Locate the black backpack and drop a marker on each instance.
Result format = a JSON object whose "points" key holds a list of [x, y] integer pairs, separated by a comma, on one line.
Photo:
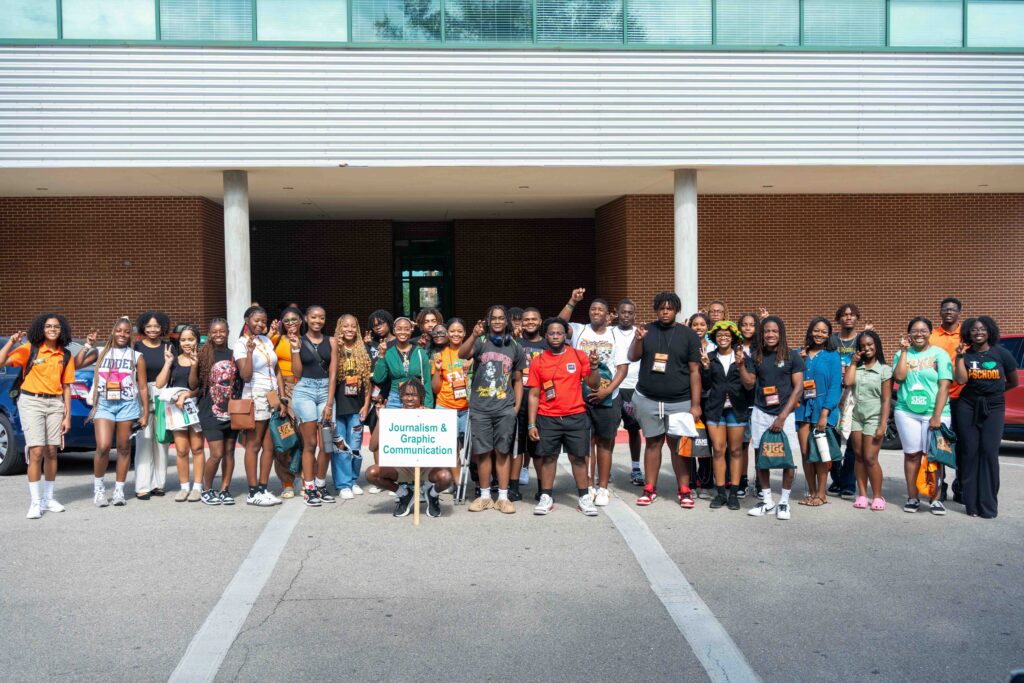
{"points": [[33, 352]]}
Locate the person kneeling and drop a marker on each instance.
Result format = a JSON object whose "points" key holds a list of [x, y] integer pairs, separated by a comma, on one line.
{"points": [[557, 414], [400, 479]]}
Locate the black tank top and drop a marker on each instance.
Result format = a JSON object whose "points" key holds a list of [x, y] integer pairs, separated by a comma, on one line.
{"points": [[316, 358]]}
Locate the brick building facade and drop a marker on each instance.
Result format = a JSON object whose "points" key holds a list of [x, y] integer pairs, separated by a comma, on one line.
{"points": [[798, 255]]}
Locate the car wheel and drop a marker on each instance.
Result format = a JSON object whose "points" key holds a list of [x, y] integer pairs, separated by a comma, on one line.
{"points": [[891, 440], [12, 461]]}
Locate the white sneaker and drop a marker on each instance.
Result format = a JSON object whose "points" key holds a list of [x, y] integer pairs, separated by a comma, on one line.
{"points": [[33, 510], [274, 500], [373, 489], [357, 490], [99, 498], [602, 498], [118, 498], [592, 490], [762, 509], [346, 494], [51, 505], [782, 511], [524, 477], [544, 506], [266, 499], [586, 506]]}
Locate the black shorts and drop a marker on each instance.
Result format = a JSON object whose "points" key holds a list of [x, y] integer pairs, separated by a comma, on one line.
{"points": [[492, 432], [571, 432], [604, 420], [523, 444], [216, 430], [629, 422]]}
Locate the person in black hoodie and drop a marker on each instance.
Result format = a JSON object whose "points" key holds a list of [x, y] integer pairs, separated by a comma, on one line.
{"points": [[726, 409]]}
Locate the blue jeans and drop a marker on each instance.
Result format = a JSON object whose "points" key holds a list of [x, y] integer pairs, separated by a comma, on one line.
{"points": [[309, 398], [394, 401], [346, 465]]}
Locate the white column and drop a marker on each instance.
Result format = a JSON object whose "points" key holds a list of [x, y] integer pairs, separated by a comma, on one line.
{"points": [[237, 267], [685, 240]]}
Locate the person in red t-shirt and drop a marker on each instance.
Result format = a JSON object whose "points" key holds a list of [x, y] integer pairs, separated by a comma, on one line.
{"points": [[557, 414]]}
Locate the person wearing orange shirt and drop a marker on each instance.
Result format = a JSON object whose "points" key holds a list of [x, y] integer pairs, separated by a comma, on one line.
{"points": [[44, 401], [947, 337], [450, 377], [291, 321], [558, 415]]}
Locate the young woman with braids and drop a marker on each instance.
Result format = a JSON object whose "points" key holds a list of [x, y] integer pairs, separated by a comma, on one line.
{"points": [[291, 322], [352, 405], [218, 382]]}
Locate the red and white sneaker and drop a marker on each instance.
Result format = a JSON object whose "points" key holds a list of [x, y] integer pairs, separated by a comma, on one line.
{"points": [[686, 498], [647, 497]]}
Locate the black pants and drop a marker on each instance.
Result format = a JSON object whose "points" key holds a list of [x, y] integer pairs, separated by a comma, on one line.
{"points": [[977, 455], [954, 424]]}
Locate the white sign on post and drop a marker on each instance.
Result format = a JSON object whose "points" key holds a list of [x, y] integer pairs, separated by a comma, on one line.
{"points": [[418, 438]]}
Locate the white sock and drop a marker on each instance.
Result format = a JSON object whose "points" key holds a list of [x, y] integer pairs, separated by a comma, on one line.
{"points": [[768, 497], [119, 486], [33, 489], [47, 490], [319, 482], [502, 494], [486, 492], [784, 498], [97, 483], [636, 467], [185, 486], [309, 484]]}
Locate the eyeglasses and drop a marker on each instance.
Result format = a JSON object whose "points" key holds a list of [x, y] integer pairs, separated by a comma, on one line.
{"points": [[440, 334], [51, 327], [291, 321]]}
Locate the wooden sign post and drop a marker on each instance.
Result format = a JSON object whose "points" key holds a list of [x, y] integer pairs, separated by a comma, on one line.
{"points": [[414, 439]]}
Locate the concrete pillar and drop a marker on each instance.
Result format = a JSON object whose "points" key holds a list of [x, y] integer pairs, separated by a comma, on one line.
{"points": [[685, 240], [237, 266]]}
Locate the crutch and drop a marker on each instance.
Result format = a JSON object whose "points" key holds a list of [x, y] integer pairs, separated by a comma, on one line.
{"points": [[460, 491]]}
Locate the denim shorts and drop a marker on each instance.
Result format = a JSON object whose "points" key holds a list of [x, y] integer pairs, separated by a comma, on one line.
{"points": [[309, 398], [729, 419], [117, 411]]}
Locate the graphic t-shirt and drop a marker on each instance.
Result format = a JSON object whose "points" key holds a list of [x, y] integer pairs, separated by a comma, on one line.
{"points": [[845, 348], [154, 358], [560, 381], [610, 353], [986, 374], [919, 391], [219, 385], [624, 338], [454, 378], [118, 366], [774, 378], [346, 403], [532, 349], [492, 378], [264, 360]]}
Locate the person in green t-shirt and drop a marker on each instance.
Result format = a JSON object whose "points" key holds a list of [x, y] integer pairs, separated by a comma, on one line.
{"points": [[925, 373]]}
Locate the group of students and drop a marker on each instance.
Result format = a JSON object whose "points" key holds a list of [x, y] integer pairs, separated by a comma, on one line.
{"points": [[524, 388]]}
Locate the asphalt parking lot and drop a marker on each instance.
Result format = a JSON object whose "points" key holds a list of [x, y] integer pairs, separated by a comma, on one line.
{"points": [[835, 594]]}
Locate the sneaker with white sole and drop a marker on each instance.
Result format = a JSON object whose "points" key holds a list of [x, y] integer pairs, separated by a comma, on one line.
{"points": [[912, 505], [50, 505], [586, 506], [433, 504], [636, 478], [592, 490], [311, 497], [226, 498], [762, 509], [324, 494], [117, 499], [33, 510], [404, 502], [274, 500], [181, 496], [602, 498], [99, 498], [782, 511], [259, 499], [937, 508], [210, 497], [357, 489], [544, 506], [346, 494], [373, 489]]}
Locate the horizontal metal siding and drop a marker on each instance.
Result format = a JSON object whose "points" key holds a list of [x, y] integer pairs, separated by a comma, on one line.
{"points": [[203, 107]]}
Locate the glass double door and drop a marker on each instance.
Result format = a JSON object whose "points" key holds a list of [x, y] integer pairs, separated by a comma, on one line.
{"points": [[423, 275]]}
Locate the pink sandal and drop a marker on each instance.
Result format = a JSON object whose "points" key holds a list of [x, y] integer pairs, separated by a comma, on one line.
{"points": [[878, 504], [861, 503]]}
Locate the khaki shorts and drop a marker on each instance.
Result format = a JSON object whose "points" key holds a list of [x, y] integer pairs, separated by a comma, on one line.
{"points": [[41, 418]]}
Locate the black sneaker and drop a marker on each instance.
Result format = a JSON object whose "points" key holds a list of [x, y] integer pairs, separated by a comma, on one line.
{"points": [[636, 478], [311, 497], [324, 494], [536, 496], [733, 501], [403, 505], [834, 489], [718, 501], [226, 498], [912, 505], [514, 494], [434, 504], [210, 497]]}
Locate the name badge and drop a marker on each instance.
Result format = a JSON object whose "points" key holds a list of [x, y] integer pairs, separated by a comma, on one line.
{"points": [[771, 396], [810, 389], [727, 404], [549, 390], [458, 385], [351, 385], [113, 390], [660, 363]]}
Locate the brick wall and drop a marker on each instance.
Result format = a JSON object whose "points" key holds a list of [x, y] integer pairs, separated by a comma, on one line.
{"points": [[895, 256], [95, 258], [344, 266], [521, 263]]}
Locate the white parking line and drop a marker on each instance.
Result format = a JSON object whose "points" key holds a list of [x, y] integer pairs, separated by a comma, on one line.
{"points": [[214, 638], [722, 659]]}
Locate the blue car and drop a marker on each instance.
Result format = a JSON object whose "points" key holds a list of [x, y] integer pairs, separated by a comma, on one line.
{"points": [[12, 440]]}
